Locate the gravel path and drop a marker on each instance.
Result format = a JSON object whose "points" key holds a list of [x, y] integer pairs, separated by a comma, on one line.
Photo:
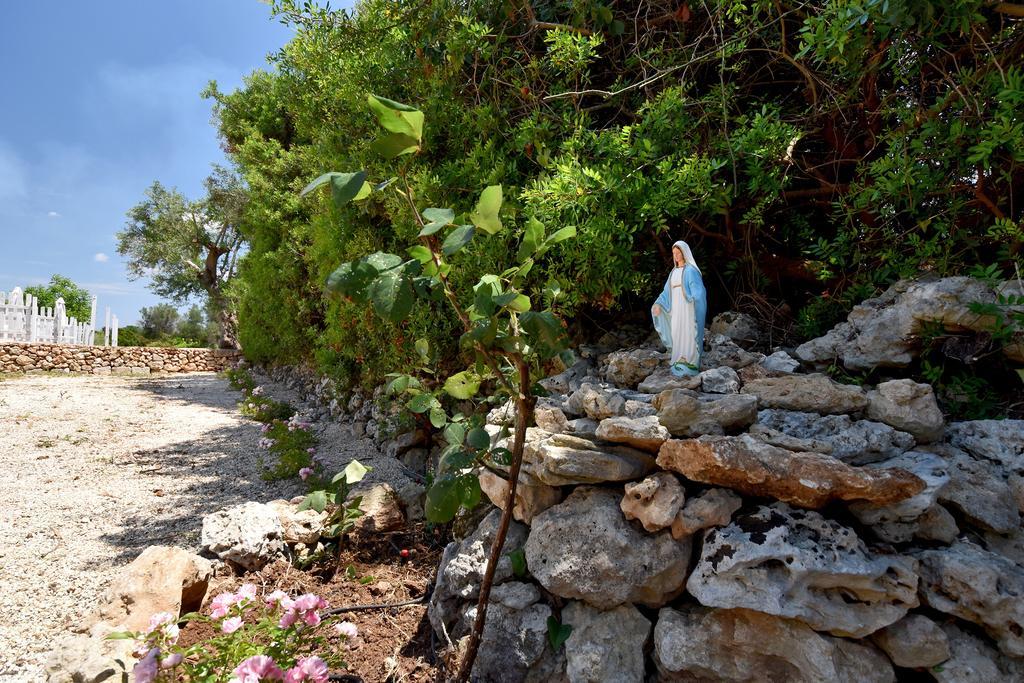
{"points": [[94, 469]]}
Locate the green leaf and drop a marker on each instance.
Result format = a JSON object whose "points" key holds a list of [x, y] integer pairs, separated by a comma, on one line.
{"points": [[443, 500], [546, 331], [454, 433], [514, 301], [383, 261], [439, 218], [469, 485], [420, 403], [462, 385], [531, 239], [397, 117], [501, 456], [557, 633], [482, 332], [454, 459], [355, 471], [344, 186], [120, 635], [485, 215], [518, 559], [556, 237], [457, 239], [392, 295], [394, 145], [484, 300], [479, 439], [438, 417], [317, 500], [1020, 373], [352, 280], [422, 347], [420, 253]]}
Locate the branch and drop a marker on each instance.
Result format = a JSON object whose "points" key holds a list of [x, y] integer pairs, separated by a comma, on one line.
{"points": [[1009, 8]]}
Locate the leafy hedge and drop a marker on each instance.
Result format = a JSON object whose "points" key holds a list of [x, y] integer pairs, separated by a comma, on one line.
{"points": [[811, 153]]}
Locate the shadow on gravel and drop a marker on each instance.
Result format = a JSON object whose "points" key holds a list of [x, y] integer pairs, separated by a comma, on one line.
{"points": [[205, 389]]}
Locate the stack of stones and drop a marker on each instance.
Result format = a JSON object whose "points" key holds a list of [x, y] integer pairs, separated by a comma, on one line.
{"points": [[18, 357], [753, 523]]}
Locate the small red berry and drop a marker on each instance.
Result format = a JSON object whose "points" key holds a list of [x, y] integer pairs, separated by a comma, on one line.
{"points": [[404, 552]]}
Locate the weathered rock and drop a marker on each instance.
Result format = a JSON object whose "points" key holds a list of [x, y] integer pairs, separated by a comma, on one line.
{"points": [[909, 407], [550, 418], [513, 639], [978, 586], [977, 491], [780, 361], [461, 569], [811, 480], [897, 523], [596, 401], [856, 442], [629, 368], [1016, 483], [739, 645], [807, 393], [712, 508], [655, 501], [739, 327], [684, 413], [583, 427], [298, 526], [504, 415], [584, 548], [605, 645], [913, 641], [380, 507], [1010, 546], [662, 379], [937, 524], [639, 409], [723, 380], [89, 657], [722, 351], [568, 380], [532, 495], [1000, 441], [800, 565], [250, 534], [645, 433], [790, 443], [562, 459], [973, 660]]}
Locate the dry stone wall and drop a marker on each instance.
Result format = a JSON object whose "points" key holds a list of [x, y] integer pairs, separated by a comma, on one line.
{"points": [[112, 360]]}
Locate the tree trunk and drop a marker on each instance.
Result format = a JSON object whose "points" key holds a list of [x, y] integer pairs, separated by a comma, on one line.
{"points": [[524, 412], [227, 322]]}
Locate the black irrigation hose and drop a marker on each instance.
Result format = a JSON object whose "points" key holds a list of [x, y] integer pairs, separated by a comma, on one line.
{"points": [[345, 678], [359, 608]]}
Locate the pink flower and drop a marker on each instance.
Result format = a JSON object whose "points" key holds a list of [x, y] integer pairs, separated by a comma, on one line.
{"points": [[145, 669], [311, 451], [256, 669], [346, 629], [231, 625], [307, 670], [305, 472], [221, 604], [159, 619], [246, 591], [304, 607], [171, 661], [275, 597]]}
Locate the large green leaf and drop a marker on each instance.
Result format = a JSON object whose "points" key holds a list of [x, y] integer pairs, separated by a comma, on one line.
{"points": [[565, 233], [546, 332], [454, 433], [462, 385], [457, 239], [469, 490], [531, 239], [485, 215], [383, 261], [392, 295], [394, 145], [352, 280], [558, 633], [317, 500], [484, 295], [443, 500], [344, 186], [438, 218], [482, 332], [397, 117], [438, 417], [354, 472], [420, 403], [478, 438]]}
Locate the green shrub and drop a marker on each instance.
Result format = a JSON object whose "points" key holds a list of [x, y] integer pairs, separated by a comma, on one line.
{"points": [[292, 445], [263, 409]]}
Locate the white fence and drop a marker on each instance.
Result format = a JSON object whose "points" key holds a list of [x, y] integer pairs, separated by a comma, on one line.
{"points": [[23, 320]]}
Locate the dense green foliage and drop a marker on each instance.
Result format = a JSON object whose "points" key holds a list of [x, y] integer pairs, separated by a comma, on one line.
{"points": [[809, 152], [77, 301]]}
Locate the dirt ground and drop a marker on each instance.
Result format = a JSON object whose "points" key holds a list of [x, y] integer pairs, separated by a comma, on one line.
{"points": [[95, 469]]}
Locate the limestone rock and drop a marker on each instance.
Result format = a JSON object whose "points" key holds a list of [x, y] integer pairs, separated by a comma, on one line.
{"points": [[605, 645], [810, 480], [722, 351], [532, 495], [380, 508], [568, 380], [739, 645], [628, 368], [714, 507], [550, 418], [973, 660], [662, 379], [645, 433], [780, 361], [807, 393], [937, 524], [596, 401], [562, 459], [583, 427], [89, 657], [856, 442], [739, 327], [977, 491], [160, 579], [909, 407], [585, 549], [800, 565], [913, 641], [791, 443], [723, 380], [655, 501], [685, 413], [250, 534], [978, 586], [639, 409], [1000, 441], [1010, 546], [298, 526], [513, 640], [462, 567], [897, 523]]}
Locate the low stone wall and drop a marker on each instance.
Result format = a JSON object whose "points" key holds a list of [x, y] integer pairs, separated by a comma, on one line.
{"points": [[112, 360]]}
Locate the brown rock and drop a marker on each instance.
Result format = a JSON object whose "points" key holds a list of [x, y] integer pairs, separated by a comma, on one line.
{"points": [[655, 501], [809, 480], [807, 393], [645, 433], [532, 495], [714, 507], [381, 510]]}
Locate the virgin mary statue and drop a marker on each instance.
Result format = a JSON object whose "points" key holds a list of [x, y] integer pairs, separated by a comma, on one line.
{"points": [[679, 312]]}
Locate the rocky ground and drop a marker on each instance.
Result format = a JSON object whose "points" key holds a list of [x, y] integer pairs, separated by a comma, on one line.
{"points": [[95, 469]]}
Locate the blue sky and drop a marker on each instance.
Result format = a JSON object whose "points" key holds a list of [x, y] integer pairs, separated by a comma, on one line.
{"points": [[99, 99]]}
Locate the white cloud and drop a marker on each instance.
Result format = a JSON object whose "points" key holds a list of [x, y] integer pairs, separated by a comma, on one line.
{"points": [[53, 214], [101, 258]]}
